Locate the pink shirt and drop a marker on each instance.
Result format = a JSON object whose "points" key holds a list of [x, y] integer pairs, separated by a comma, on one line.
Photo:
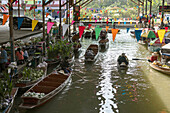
{"points": [[20, 55]]}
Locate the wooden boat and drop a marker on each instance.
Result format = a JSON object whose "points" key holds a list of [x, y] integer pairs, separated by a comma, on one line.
{"points": [[141, 42], [104, 43], [28, 84], [94, 35], [95, 50], [87, 34], [132, 32], [77, 45], [13, 94], [160, 69], [48, 87], [51, 62], [75, 37]]}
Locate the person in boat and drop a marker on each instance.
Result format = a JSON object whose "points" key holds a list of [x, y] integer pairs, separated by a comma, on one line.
{"points": [[65, 65], [90, 52], [123, 58], [154, 57]]}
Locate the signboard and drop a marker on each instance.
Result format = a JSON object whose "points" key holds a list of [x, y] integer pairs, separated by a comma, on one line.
{"points": [[166, 8], [34, 6], [76, 13], [71, 2]]}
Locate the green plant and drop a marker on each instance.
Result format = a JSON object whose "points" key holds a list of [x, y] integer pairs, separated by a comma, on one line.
{"points": [[60, 48], [5, 87]]}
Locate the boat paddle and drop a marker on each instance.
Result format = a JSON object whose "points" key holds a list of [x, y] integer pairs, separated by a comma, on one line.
{"points": [[139, 59]]}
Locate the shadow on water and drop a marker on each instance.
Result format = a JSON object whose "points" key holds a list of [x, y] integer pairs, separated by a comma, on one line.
{"points": [[100, 87]]}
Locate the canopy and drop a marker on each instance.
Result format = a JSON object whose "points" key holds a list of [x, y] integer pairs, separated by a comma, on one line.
{"points": [[167, 46], [151, 34], [144, 33], [166, 54], [167, 35], [165, 49], [156, 41]]}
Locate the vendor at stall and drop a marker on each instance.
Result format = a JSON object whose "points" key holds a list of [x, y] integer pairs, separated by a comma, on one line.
{"points": [[20, 56]]}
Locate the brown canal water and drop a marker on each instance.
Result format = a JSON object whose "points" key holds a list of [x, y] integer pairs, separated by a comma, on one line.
{"points": [[99, 87]]}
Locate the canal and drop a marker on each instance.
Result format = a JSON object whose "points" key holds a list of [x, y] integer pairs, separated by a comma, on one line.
{"points": [[99, 87]]}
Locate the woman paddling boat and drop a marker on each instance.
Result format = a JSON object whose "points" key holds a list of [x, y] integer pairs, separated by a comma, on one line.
{"points": [[123, 60]]}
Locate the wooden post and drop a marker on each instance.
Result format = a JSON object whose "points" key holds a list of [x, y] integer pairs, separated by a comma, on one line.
{"points": [[162, 24], [11, 31], [74, 24], [67, 7], [143, 8], [34, 9], [18, 8], [69, 20], [43, 13], [138, 9], [60, 18], [150, 13], [146, 11]]}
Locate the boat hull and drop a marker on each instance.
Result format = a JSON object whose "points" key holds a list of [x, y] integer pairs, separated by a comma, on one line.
{"points": [[162, 70], [14, 93], [30, 84]]}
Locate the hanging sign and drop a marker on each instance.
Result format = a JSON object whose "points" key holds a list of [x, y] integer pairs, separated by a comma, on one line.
{"points": [[127, 29], [65, 27], [107, 27], [81, 30], [5, 18], [20, 20], [97, 32], [49, 26], [161, 34], [138, 34], [34, 23], [114, 32]]}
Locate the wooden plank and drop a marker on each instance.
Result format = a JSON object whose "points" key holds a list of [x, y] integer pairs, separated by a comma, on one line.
{"points": [[76, 3], [48, 2], [85, 3]]}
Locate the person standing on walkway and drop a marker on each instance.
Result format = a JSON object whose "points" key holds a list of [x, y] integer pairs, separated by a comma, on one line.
{"points": [[3, 58]]}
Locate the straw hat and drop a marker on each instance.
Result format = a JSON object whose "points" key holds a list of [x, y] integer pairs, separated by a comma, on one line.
{"points": [[154, 54]]}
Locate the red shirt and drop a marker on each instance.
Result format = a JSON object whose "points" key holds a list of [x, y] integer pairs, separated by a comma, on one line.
{"points": [[153, 58]]}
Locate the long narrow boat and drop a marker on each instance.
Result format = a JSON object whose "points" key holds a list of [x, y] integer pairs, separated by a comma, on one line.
{"points": [[104, 43], [51, 62], [44, 90], [93, 34], [13, 94], [95, 50], [88, 34], [28, 84], [160, 69]]}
